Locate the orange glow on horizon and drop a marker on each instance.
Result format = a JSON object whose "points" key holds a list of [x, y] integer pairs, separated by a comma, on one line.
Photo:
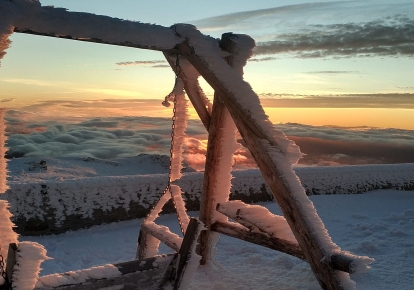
{"points": [[344, 117]]}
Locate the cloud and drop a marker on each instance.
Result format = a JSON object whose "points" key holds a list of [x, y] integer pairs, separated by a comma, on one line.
{"points": [[269, 58], [161, 66], [333, 72], [7, 100], [141, 62], [383, 37], [389, 100]]}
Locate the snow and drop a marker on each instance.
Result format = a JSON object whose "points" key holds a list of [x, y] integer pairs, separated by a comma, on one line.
{"points": [[74, 277], [262, 218], [29, 14], [29, 256], [379, 224]]}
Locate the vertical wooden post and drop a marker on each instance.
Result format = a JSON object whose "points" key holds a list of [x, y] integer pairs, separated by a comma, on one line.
{"points": [[11, 261], [208, 201]]}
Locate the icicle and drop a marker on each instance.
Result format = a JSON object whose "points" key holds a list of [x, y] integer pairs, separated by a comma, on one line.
{"points": [[180, 124], [3, 160]]}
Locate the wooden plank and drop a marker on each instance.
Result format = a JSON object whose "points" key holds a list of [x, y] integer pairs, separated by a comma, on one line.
{"points": [[237, 231], [11, 261], [291, 208], [233, 215], [163, 234], [339, 262], [187, 247], [94, 40], [192, 88], [136, 274]]}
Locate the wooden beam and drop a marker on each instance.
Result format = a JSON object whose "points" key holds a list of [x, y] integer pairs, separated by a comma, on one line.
{"points": [[234, 230], [256, 142], [94, 40], [192, 88], [163, 234], [239, 232], [11, 261], [233, 215], [136, 274], [216, 139], [189, 241]]}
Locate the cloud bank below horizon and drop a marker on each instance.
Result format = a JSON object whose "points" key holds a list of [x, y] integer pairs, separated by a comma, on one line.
{"points": [[116, 137]]}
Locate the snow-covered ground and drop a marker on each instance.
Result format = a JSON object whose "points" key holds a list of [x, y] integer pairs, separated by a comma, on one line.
{"points": [[379, 224]]}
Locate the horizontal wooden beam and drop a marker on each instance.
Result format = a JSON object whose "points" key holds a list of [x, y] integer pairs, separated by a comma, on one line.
{"points": [[163, 234], [95, 40], [237, 231], [136, 274], [338, 261]]}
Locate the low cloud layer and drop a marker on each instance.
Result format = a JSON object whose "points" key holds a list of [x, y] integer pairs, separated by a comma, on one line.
{"points": [[107, 138]]}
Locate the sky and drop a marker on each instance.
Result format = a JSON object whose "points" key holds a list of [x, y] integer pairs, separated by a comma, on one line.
{"points": [[320, 65]]}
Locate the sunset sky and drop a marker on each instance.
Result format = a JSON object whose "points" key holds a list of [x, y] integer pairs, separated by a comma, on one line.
{"points": [[326, 63]]}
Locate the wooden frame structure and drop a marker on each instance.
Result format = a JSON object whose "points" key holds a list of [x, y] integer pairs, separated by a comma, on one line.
{"points": [[306, 246]]}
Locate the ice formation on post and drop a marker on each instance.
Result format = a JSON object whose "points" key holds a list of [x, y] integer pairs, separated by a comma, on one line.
{"points": [[7, 235], [3, 160], [29, 256]]}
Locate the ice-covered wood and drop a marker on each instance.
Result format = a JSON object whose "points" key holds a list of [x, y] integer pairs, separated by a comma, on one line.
{"points": [[240, 232], [33, 18], [7, 235], [189, 76], [187, 258], [179, 203], [219, 159], [11, 261], [163, 234], [229, 210], [147, 245], [29, 256], [136, 274], [284, 184], [3, 138]]}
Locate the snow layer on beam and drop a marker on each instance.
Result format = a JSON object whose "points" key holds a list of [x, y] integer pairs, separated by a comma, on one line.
{"points": [[60, 22], [76, 277], [261, 217], [209, 52], [28, 259]]}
